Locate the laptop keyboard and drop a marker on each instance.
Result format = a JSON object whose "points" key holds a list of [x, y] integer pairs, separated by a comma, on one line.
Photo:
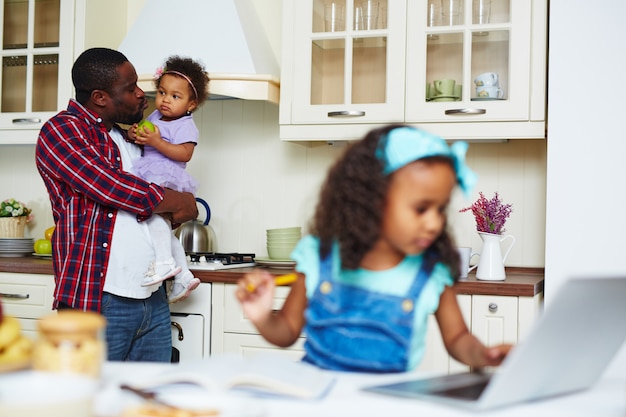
{"points": [[470, 392]]}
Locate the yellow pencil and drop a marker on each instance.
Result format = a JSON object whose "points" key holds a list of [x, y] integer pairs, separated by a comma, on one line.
{"points": [[279, 280]]}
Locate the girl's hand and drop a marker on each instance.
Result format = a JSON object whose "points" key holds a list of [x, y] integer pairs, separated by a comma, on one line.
{"points": [[147, 137], [493, 356], [255, 292]]}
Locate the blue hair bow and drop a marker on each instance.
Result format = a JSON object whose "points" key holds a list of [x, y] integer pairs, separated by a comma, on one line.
{"points": [[404, 145]]}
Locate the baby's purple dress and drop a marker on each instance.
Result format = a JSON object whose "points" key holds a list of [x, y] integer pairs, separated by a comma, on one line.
{"points": [[155, 167]]}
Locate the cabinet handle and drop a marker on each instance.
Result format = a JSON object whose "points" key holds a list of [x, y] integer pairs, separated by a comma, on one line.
{"points": [[27, 120], [493, 307], [461, 112], [17, 296], [346, 113], [181, 336]]}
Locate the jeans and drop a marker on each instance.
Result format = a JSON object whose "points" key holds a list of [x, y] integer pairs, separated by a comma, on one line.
{"points": [[138, 330]]}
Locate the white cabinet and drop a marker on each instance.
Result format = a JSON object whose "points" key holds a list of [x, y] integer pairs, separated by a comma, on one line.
{"points": [[36, 50], [492, 319], [232, 332], [28, 297], [338, 83]]}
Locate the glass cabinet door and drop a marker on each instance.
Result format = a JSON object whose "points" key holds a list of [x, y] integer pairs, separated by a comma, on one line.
{"points": [[472, 62], [344, 65], [29, 74]]}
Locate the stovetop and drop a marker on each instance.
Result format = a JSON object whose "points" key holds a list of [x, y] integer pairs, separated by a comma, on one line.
{"points": [[213, 261]]}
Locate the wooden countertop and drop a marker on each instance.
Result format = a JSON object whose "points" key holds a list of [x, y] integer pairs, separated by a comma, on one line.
{"points": [[525, 282]]}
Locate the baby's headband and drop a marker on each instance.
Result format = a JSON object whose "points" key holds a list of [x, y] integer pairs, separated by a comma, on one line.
{"points": [[404, 145], [160, 72]]}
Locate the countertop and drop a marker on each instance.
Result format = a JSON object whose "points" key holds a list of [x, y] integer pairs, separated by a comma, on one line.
{"points": [[346, 398], [525, 282]]}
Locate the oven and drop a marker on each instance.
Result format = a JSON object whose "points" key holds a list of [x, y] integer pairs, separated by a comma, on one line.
{"points": [[191, 318]]}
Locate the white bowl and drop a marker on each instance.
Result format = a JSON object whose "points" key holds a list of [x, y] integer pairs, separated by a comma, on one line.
{"points": [[37, 394], [275, 252], [280, 230], [283, 240]]}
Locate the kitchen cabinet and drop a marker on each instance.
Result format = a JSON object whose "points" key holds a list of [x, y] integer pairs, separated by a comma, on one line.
{"points": [[232, 332], [28, 297], [338, 83], [493, 319], [37, 55]]}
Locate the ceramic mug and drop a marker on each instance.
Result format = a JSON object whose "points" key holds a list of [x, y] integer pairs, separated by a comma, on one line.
{"points": [[465, 254], [486, 79], [444, 87], [489, 92]]}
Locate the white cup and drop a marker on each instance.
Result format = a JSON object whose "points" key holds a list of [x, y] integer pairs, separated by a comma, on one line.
{"points": [[486, 79], [489, 92], [465, 254]]}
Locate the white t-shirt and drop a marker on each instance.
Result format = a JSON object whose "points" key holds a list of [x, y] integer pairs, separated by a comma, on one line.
{"points": [[132, 250]]}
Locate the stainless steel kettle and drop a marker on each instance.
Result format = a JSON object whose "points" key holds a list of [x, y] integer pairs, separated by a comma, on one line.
{"points": [[197, 236]]}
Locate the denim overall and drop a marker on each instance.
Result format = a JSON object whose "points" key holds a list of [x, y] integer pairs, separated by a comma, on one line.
{"points": [[353, 329]]}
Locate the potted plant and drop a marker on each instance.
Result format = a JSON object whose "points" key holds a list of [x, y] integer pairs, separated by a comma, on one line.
{"points": [[13, 218], [490, 216]]}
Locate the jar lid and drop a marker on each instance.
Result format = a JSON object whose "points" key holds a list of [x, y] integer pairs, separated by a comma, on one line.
{"points": [[72, 321]]}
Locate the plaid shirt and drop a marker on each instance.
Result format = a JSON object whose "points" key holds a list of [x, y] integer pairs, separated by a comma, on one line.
{"points": [[81, 169]]}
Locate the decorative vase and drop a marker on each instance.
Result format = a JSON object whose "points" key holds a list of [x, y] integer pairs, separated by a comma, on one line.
{"points": [[491, 263], [12, 227]]}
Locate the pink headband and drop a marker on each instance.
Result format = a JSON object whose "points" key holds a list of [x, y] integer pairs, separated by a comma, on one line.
{"points": [[185, 77]]}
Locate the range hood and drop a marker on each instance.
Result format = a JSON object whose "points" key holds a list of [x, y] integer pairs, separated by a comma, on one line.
{"points": [[225, 35]]}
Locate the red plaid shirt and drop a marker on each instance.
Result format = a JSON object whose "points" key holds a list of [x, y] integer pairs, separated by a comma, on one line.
{"points": [[82, 170]]}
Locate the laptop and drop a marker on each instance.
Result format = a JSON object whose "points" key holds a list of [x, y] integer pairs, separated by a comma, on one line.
{"points": [[567, 351]]}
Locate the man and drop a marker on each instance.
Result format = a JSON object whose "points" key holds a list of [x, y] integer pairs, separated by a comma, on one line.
{"points": [[101, 247]]}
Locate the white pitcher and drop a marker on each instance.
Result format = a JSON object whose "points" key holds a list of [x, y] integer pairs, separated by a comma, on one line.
{"points": [[491, 263]]}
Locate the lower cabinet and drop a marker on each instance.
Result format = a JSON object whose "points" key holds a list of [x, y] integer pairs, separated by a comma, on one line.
{"points": [[493, 319], [232, 332], [28, 297]]}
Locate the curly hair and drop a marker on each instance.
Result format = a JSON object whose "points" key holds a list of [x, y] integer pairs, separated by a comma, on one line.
{"points": [[193, 70], [96, 69], [352, 201]]}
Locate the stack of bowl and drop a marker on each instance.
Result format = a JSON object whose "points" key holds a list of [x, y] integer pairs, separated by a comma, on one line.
{"points": [[280, 242]]}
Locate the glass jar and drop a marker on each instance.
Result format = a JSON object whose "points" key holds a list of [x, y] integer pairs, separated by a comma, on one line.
{"points": [[70, 341]]}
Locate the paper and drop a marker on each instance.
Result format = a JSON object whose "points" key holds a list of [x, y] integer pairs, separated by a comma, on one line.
{"points": [[265, 375]]}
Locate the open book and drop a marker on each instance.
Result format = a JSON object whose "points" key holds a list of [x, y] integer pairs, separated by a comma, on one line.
{"points": [[264, 375]]}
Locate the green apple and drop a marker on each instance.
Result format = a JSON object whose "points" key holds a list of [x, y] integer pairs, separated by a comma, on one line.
{"points": [[43, 247], [146, 125]]}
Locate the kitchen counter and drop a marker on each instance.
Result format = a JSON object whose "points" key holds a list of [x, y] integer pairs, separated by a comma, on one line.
{"points": [[346, 398], [523, 282]]}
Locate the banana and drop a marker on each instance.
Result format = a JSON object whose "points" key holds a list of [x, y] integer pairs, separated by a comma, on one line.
{"points": [[9, 331], [19, 351]]}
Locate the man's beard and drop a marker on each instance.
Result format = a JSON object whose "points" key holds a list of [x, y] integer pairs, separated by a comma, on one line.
{"points": [[126, 118]]}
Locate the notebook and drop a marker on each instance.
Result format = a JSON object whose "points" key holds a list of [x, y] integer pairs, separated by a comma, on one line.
{"points": [[567, 351]]}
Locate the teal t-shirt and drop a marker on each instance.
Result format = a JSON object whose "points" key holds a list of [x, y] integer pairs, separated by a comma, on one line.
{"points": [[393, 281]]}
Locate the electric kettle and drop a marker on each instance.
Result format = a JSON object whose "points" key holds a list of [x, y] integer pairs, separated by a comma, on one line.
{"points": [[197, 236]]}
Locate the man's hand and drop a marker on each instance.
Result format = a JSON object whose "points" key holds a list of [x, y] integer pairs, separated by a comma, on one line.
{"points": [[181, 207]]}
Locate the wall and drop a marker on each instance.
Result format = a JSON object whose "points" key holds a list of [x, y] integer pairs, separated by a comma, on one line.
{"points": [[253, 181], [586, 144], [586, 179]]}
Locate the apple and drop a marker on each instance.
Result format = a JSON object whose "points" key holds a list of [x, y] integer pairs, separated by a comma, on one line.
{"points": [[43, 247], [146, 125], [48, 233]]}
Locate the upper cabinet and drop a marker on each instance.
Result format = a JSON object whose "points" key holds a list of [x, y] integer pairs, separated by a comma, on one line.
{"points": [[464, 69], [36, 51]]}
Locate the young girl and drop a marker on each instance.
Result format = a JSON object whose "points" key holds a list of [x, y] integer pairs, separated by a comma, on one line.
{"points": [[378, 261], [182, 86]]}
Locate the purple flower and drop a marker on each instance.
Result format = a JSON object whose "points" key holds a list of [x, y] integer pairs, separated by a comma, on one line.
{"points": [[490, 215]]}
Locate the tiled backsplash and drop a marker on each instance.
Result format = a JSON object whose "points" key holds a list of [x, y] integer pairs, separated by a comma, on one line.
{"points": [[253, 181]]}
